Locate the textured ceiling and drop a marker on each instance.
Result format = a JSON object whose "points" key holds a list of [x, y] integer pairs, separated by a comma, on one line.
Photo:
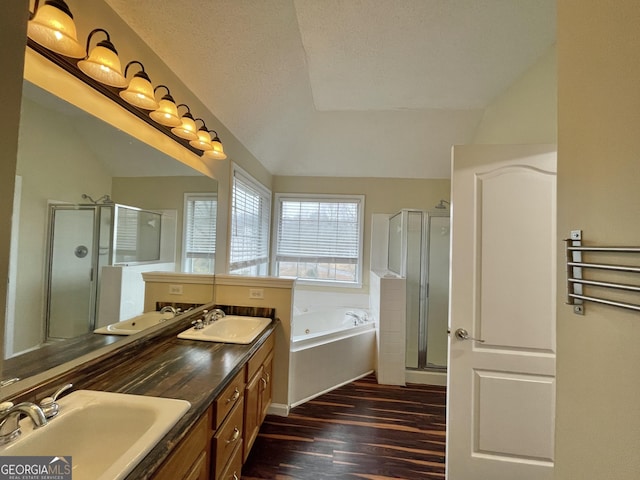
{"points": [[378, 88]]}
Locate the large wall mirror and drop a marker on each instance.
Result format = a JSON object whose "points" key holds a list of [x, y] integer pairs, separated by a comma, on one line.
{"points": [[74, 172]]}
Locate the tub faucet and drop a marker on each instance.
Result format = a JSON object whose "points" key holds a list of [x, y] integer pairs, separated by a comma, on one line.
{"points": [[357, 319], [10, 416]]}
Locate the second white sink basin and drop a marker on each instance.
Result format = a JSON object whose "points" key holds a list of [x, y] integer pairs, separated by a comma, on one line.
{"points": [[229, 329], [135, 324], [106, 434]]}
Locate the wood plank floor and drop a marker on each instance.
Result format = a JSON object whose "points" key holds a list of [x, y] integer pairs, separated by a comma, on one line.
{"points": [[359, 431]]}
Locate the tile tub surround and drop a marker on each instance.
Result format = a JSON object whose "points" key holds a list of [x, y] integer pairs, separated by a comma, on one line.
{"points": [[162, 366]]}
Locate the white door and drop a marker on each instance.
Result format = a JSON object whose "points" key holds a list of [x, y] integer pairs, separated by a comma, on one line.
{"points": [[501, 392]]}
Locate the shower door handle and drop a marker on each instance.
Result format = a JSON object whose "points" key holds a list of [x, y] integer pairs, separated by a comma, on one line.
{"points": [[462, 334]]}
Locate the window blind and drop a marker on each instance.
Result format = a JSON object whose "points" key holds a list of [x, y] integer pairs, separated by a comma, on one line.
{"points": [[200, 233], [320, 236], [250, 219]]}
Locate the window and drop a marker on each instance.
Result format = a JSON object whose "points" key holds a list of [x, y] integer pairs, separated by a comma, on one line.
{"points": [[319, 238], [199, 226], [250, 219]]}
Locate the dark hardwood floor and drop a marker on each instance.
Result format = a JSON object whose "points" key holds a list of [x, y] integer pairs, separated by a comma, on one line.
{"points": [[359, 431]]}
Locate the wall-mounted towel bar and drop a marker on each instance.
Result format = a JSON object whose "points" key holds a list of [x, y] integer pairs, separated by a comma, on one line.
{"points": [[576, 267]]}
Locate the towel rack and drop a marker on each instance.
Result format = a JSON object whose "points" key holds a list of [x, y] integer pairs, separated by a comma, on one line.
{"points": [[576, 266]]}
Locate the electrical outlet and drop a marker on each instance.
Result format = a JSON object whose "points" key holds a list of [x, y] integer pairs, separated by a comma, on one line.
{"points": [[256, 293], [175, 289]]}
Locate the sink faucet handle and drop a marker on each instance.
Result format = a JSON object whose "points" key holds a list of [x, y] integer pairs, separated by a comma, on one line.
{"points": [[198, 324], [49, 405]]}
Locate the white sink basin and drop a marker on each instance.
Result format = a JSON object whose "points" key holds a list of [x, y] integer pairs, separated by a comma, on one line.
{"points": [[106, 434], [135, 324], [229, 329]]}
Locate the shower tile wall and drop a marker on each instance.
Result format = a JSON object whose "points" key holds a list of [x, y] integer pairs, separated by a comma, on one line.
{"points": [[388, 306]]}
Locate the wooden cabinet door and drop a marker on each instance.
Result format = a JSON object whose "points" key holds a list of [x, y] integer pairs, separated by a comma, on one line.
{"points": [[266, 387], [251, 412], [187, 458], [200, 471]]}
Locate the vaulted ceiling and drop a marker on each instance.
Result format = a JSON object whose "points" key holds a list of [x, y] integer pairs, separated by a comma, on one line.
{"points": [[367, 88]]}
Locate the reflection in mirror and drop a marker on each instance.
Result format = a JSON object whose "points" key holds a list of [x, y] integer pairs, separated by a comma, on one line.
{"points": [[66, 159]]}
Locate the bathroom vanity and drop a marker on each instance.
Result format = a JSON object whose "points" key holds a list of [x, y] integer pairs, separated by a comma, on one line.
{"points": [[227, 385]]}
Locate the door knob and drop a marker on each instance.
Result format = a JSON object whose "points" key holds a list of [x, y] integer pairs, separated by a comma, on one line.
{"points": [[462, 334]]}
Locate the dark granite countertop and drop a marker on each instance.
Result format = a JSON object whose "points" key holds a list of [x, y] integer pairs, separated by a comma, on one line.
{"points": [[174, 368], [161, 365]]}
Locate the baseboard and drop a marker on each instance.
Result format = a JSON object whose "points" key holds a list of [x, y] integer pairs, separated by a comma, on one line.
{"points": [[300, 402], [279, 409], [426, 377]]}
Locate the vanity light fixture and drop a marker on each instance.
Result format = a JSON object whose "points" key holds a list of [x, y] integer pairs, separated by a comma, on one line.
{"points": [[103, 64], [167, 113], [52, 33], [140, 92], [188, 128], [52, 26], [217, 152], [203, 142]]}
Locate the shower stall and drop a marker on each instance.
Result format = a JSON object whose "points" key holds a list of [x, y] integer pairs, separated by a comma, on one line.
{"points": [[82, 240], [418, 250]]}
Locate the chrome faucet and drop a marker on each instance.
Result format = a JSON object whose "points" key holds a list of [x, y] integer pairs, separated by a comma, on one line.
{"points": [[357, 318], [10, 416], [213, 315], [170, 309]]}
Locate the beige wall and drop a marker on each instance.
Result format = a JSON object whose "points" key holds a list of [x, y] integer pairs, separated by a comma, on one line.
{"points": [[526, 112], [598, 411], [382, 195]]}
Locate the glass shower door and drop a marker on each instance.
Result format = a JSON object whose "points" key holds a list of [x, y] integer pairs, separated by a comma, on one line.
{"points": [[414, 273], [71, 298], [438, 292]]}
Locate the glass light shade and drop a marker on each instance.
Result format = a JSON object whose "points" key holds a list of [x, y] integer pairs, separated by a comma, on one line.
{"points": [[187, 130], [215, 154], [203, 142], [53, 28], [166, 114], [140, 94], [104, 66]]}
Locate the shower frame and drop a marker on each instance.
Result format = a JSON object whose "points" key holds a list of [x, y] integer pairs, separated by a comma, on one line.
{"points": [[424, 281], [97, 210]]}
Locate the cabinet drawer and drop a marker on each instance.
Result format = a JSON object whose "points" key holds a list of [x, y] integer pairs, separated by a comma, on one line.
{"points": [[227, 438], [233, 469], [254, 363], [228, 399]]}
